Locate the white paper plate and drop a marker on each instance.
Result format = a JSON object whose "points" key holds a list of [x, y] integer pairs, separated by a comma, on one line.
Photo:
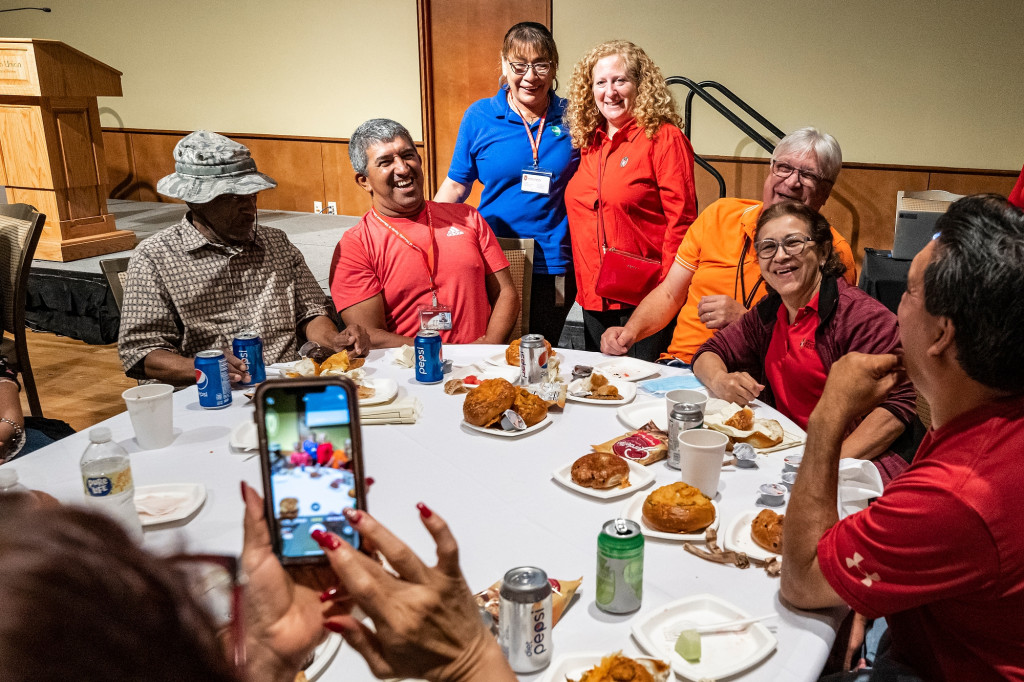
{"points": [[499, 360], [634, 512], [278, 368], [501, 433], [323, 655], [572, 666], [627, 369], [722, 654], [639, 477], [244, 437], [193, 495], [385, 388], [486, 371], [737, 537], [639, 413], [627, 389]]}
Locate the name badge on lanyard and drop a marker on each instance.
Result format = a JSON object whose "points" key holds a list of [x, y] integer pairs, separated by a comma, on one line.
{"points": [[437, 317], [536, 180]]}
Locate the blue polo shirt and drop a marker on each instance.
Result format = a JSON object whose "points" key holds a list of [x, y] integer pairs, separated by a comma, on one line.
{"points": [[493, 148]]}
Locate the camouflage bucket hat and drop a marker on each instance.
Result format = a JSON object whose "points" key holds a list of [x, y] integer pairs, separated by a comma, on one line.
{"points": [[208, 165]]}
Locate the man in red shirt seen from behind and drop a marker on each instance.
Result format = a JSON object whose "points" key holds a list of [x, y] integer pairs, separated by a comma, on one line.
{"points": [[941, 553]]}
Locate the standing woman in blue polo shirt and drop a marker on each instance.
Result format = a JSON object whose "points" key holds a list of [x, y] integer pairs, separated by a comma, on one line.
{"points": [[516, 145]]}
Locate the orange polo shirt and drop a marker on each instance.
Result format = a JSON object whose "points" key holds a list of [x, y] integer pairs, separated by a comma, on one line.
{"points": [[711, 250], [645, 196]]}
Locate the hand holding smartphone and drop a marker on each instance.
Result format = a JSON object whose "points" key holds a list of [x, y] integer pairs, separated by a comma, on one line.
{"points": [[311, 457]]}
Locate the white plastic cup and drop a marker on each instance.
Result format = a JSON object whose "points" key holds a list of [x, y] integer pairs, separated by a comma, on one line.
{"points": [[700, 458], [152, 412], [684, 395]]}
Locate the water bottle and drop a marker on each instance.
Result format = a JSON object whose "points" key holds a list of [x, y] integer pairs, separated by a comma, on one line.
{"points": [[9, 483], [107, 480]]}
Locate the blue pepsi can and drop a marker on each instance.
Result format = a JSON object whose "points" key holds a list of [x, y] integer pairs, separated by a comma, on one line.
{"points": [[429, 364], [248, 346], [212, 379]]}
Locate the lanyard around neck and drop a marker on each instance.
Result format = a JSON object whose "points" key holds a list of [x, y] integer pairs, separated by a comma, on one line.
{"points": [[428, 257], [534, 144]]}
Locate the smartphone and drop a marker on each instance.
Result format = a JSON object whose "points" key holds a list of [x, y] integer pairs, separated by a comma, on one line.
{"points": [[311, 456]]}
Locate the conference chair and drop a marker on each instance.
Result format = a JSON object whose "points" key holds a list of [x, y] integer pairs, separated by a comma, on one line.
{"points": [[116, 270], [20, 227], [519, 253]]}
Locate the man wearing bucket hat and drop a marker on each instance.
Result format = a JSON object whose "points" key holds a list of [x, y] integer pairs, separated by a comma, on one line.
{"points": [[217, 273]]}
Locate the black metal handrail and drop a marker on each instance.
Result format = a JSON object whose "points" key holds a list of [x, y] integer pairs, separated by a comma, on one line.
{"points": [[701, 90]]}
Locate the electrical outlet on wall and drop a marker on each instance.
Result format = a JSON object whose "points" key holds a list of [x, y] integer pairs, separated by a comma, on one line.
{"points": [[318, 207], [332, 208]]}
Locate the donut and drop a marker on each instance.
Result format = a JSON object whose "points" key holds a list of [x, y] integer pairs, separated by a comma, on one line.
{"points": [[600, 470], [678, 508]]}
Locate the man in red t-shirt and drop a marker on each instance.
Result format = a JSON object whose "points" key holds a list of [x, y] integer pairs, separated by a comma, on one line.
{"points": [[409, 256], [941, 553]]}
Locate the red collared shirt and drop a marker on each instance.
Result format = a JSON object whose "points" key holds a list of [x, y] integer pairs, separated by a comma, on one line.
{"points": [[792, 364], [646, 198]]}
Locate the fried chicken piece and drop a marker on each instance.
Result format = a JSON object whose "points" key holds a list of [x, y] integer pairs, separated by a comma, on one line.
{"points": [[530, 407], [743, 420], [485, 404]]}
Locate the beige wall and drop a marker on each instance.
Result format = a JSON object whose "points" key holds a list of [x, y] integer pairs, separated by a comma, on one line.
{"points": [[892, 84], [893, 87], [281, 67]]}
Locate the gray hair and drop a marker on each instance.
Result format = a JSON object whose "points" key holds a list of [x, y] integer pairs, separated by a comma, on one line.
{"points": [[374, 131], [810, 139]]}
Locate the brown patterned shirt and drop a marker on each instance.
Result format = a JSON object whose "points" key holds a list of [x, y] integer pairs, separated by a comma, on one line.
{"points": [[186, 294]]}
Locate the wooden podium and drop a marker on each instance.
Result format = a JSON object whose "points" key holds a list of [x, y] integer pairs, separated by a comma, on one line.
{"points": [[51, 147]]}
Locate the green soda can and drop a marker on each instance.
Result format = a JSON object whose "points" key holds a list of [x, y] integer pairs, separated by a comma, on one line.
{"points": [[620, 566]]}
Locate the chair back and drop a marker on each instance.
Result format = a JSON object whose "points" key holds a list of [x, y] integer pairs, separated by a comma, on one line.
{"points": [[116, 270], [20, 228], [519, 253]]}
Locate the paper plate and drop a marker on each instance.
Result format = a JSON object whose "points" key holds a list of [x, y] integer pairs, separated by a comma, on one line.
{"points": [[627, 390], [385, 390], [627, 369], [323, 655], [501, 433], [244, 437], [737, 537], [722, 654], [634, 512], [191, 496], [572, 666], [638, 413], [639, 477]]}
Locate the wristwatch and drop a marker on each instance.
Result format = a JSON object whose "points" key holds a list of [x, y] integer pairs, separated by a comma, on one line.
{"points": [[16, 444]]}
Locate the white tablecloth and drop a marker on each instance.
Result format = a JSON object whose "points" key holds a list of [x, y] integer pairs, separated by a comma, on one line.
{"points": [[496, 494]]}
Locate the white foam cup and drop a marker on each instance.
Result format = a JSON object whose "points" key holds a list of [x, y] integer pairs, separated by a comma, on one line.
{"points": [[684, 395], [700, 458], [152, 413]]}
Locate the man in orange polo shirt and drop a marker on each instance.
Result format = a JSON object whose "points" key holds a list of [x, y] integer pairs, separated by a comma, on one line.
{"points": [[715, 277]]}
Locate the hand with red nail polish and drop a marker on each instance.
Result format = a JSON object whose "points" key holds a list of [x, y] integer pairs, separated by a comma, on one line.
{"points": [[426, 622], [283, 619]]}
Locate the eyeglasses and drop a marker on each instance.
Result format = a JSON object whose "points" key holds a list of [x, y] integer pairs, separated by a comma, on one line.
{"points": [[792, 245], [805, 178], [539, 68], [213, 581]]}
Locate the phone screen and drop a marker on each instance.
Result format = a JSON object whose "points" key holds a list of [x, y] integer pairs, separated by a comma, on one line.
{"points": [[311, 464]]}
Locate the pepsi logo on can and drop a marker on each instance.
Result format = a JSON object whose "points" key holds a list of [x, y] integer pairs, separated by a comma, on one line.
{"points": [[212, 379]]}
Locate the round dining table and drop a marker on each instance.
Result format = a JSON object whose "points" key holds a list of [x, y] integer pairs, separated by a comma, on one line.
{"points": [[497, 494]]}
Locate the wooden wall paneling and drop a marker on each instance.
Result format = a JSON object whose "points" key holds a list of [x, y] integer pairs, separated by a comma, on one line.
{"points": [[972, 183], [339, 180], [117, 146], [297, 167], [152, 158], [452, 79]]}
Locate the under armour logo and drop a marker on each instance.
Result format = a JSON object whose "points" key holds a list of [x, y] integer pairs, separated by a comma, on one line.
{"points": [[625, 160], [869, 578], [454, 232]]}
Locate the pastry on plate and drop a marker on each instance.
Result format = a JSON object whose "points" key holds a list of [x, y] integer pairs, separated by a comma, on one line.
{"points": [[512, 352], [339, 363], [766, 530], [600, 470], [530, 407], [619, 668], [742, 426], [485, 404], [678, 508]]}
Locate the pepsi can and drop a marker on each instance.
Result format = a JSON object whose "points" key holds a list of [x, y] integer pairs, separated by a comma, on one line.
{"points": [[533, 359], [248, 346], [212, 379], [525, 617], [429, 364]]}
